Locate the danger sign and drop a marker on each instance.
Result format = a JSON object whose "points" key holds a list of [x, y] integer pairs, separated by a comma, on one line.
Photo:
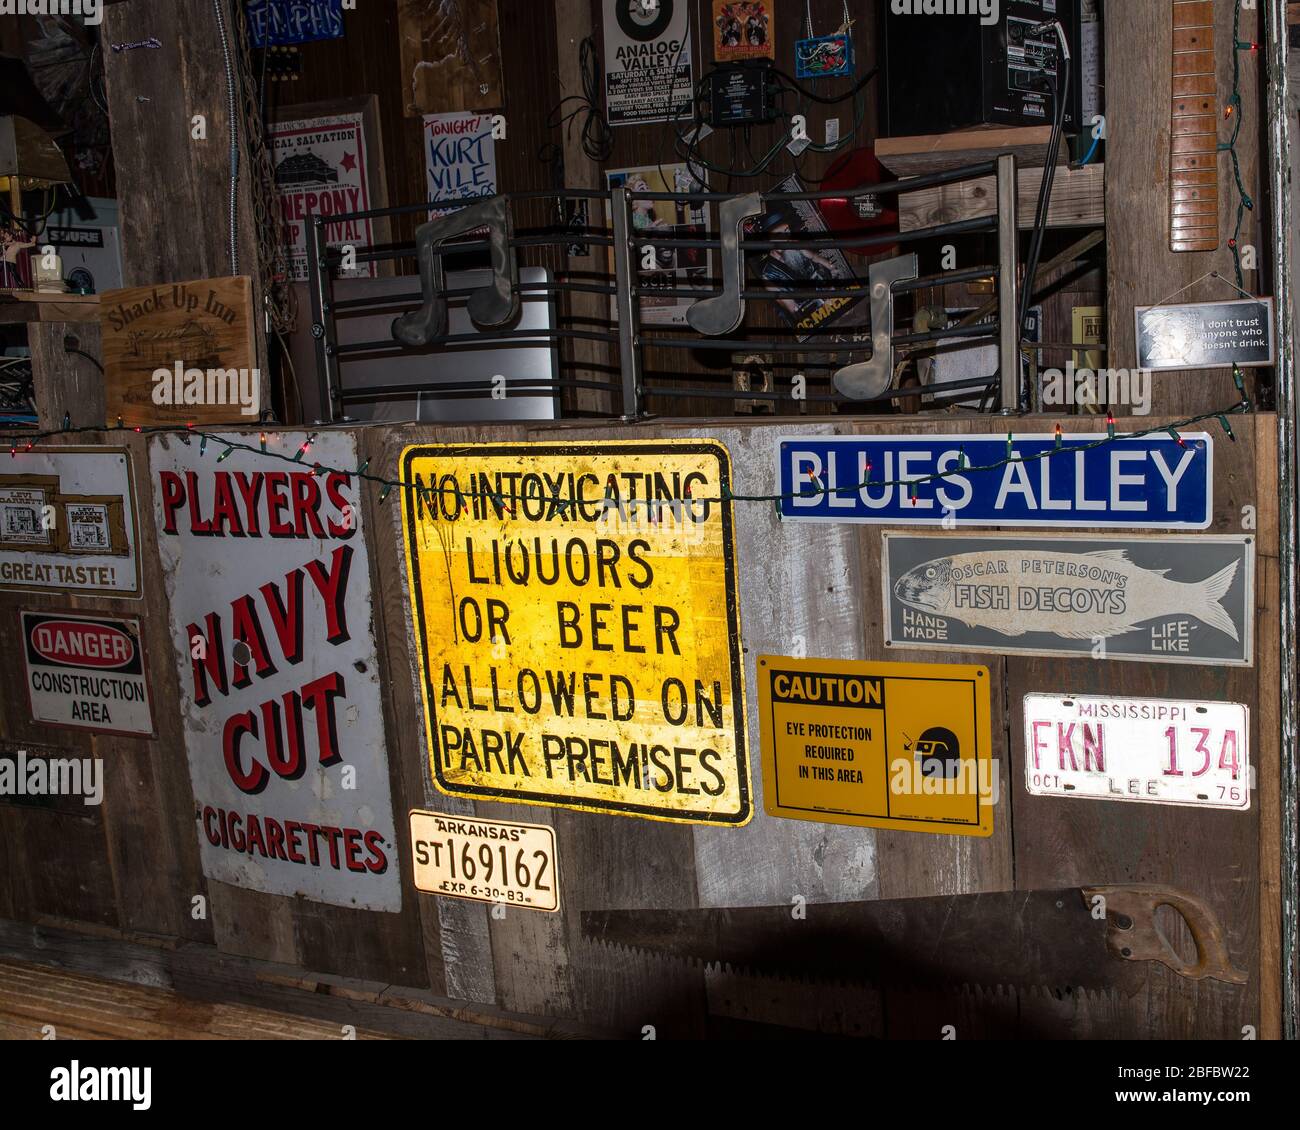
{"points": [[86, 673], [880, 745], [578, 628]]}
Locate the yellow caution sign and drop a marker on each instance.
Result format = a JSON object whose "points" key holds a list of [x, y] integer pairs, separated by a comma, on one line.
{"points": [[880, 745], [577, 625]]}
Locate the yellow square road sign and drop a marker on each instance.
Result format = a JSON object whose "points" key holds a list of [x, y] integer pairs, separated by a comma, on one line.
{"points": [[905, 746], [578, 627]]}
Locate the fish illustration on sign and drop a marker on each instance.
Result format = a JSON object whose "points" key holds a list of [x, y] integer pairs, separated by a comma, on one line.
{"points": [[1069, 595]]}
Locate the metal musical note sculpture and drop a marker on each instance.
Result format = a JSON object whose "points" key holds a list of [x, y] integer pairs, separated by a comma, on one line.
{"points": [[494, 305], [866, 380], [724, 312]]}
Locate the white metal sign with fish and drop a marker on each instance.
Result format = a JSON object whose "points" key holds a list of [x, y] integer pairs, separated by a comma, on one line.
{"points": [[1156, 751], [1170, 599]]}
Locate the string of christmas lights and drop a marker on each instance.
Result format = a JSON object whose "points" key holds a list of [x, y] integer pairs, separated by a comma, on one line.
{"points": [[424, 493]]}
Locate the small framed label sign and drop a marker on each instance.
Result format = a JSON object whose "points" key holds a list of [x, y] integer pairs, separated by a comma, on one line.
{"points": [[1206, 335], [496, 861]]}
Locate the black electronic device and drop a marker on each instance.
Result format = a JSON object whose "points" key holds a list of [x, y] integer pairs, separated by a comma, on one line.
{"points": [[742, 94], [944, 72]]}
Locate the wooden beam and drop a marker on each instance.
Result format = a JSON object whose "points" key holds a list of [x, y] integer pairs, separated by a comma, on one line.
{"points": [[1078, 200], [174, 189], [33, 306], [584, 360], [1141, 269], [116, 964], [935, 153]]}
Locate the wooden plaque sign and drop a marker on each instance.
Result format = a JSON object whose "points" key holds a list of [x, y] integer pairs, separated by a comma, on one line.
{"points": [[180, 353]]}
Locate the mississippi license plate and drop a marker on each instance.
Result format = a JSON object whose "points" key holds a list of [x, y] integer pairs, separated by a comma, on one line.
{"points": [[1156, 751], [494, 861]]}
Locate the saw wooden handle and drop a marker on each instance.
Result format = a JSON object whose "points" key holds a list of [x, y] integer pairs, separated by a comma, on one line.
{"points": [[1194, 131], [1133, 934]]}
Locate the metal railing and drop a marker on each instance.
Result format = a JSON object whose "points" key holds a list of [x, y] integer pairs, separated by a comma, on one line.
{"points": [[861, 372]]}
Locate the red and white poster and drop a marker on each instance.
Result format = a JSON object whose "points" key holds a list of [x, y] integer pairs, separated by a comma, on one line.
{"points": [[265, 566], [321, 169]]}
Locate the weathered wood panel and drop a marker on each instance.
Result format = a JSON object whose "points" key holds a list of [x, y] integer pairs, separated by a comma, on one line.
{"points": [[810, 587], [1142, 271], [73, 386], [1211, 854], [145, 826], [1078, 197], [163, 172], [451, 55]]}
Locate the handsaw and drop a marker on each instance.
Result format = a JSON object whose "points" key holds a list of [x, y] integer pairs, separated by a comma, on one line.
{"points": [[1047, 939]]}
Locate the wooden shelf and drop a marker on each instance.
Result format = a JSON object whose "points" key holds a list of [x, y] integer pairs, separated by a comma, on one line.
{"points": [[33, 306], [937, 153], [1078, 200]]}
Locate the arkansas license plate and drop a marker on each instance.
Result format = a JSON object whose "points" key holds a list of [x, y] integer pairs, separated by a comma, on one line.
{"points": [[467, 857], [1157, 751]]}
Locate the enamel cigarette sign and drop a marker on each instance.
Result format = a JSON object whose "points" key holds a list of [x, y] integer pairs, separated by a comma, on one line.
{"points": [[495, 861], [1151, 483], [1163, 599], [271, 618], [86, 672], [905, 746], [1155, 751], [577, 624], [68, 522]]}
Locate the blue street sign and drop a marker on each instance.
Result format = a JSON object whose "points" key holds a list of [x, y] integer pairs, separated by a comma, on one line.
{"points": [[1151, 483], [280, 22]]}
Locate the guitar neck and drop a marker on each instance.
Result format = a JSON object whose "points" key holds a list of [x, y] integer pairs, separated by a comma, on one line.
{"points": [[1194, 131]]}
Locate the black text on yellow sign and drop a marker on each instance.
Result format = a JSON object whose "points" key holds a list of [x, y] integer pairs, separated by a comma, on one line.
{"points": [[879, 745], [577, 625]]}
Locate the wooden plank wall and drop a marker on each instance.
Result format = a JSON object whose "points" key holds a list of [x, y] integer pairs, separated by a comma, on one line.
{"points": [[132, 866], [165, 178], [1142, 271]]}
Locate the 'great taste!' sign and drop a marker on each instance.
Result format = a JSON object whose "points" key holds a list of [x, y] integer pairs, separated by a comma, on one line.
{"points": [[271, 619], [1152, 483], [577, 625]]}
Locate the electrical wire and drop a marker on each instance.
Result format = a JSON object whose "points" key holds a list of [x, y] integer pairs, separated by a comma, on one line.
{"points": [[34, 228], [219, 9], [596, 133], [1092, 151], [831, 100], [687, 148], [1061, 91]]}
